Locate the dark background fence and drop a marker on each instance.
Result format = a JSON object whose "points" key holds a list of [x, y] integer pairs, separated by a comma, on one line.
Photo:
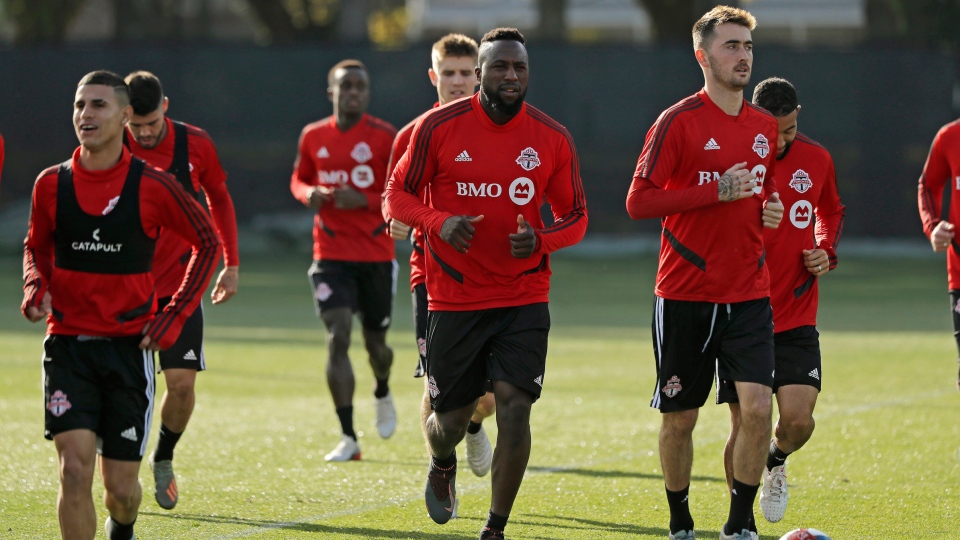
{"points": [[875, 110]]}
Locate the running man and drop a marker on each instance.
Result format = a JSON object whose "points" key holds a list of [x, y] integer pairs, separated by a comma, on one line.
{"points": [[87, 262], [488, 162], [188, 153], [939, 223], [453, 59], [799, 253], [705, 170], [341, 171]]}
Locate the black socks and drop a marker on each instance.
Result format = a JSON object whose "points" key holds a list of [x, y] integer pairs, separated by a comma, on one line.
{"points": [[165, 445]]}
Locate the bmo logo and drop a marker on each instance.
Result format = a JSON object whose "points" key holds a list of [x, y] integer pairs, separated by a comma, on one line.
{"points": [[362, 176], [760, 171], [521, 191], [333, 177], [469, 189], [801, 214]]}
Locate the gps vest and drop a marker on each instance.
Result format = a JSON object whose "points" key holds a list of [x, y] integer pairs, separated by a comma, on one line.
{"points": [[109, 244]]}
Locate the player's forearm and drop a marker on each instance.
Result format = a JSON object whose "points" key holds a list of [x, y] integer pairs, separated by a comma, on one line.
{"points": [[300, 188], [225, 220], [407, 208], [566, 230], [646, 201], [34, 277]]}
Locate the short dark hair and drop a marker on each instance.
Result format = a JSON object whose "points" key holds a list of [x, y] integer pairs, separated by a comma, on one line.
{"points": [[108, 78], [703, 29], [146, 92], [345, 64], [503, 34], [456, 45], [776, 95]]}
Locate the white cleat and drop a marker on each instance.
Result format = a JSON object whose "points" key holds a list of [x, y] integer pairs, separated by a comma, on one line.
{"points": [[773, 494], [742, 535], [479, 452], [386, 416], [346, 450], [682, 535]]}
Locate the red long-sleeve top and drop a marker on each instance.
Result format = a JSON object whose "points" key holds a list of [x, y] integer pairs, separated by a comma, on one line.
{"points": [[942, 166]]}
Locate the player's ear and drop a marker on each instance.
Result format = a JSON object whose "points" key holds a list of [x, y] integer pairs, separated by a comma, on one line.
{"points": [[702, 58], [166, 103], [433, 76]]}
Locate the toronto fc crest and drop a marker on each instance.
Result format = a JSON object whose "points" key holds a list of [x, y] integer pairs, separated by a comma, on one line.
{"points": [[58, 404], [528, 159], [672, 388], [361, 152], [760, 146], [801, 181]]}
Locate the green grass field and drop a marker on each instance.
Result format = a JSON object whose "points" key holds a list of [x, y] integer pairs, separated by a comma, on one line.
{"points": [[882, 464]]}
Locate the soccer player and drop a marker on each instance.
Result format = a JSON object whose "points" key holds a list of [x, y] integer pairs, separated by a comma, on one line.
{"points": [[939, 224], [488, 163], [705, 171], [454, 59], [799, 252], [188, 153], [87, 261], [341, 171]]}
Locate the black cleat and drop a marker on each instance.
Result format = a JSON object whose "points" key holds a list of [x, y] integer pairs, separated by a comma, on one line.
{"points": [[440, 493]]}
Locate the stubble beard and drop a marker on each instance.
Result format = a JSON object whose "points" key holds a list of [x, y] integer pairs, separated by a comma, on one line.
{"points": [[497, 104]]}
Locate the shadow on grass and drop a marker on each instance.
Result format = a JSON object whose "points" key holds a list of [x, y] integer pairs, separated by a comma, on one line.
{"points": [[593, 473], [264, 526]]}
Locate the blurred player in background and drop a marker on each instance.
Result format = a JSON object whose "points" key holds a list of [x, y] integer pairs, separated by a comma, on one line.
{"points": [[341, 171], [188, 153], [453, 59], [799, 253], [705, 171]]}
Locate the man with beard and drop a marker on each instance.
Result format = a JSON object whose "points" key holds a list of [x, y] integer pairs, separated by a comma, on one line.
{"points": [[488, 162], [454, 59], [702, 172], [189, 154], [799, 252], [340, 171]]}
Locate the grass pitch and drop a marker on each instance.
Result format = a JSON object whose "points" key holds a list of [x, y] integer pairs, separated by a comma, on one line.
{"points": [[883, 462]]}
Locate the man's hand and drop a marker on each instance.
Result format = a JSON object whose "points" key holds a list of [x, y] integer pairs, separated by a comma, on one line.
{"points": [[147, 343], [772, 211], [941, 236], [817, 261], [736, 183], [347, 198], [317, 196], [524, 243], [36, 314], [226, 284], [458, 231], [399, 231]]}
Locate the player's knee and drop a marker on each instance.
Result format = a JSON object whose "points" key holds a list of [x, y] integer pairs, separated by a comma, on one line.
{"points": [[123, 491], [180, 389], [680, 422], [338, 341], [75, 472], [798, 425]]}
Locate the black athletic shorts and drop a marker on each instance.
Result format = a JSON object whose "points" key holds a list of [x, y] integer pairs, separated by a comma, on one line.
{"points": [[468, 349], [954, 300], [105, 385], [187, 351], [797, 353], [364, 287], [695, 341], [419, 300]]}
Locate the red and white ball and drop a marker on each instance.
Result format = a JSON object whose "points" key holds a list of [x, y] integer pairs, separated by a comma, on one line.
{"points": [[805, 534]]}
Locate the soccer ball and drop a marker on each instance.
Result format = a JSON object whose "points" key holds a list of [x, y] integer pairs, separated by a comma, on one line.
{"points": [[805, 534]]}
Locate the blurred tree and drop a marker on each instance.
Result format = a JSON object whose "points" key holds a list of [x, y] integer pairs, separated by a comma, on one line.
{"points": [[919, 23], [41, 23], [293, 21], [672, 20], [553, 20]]}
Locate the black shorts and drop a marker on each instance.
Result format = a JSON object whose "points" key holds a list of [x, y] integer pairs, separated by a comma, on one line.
{"points": [[467, 349], [366, 288], [187, 351], [694, 342], [419, 301], [105, 385], [954, 300], [797, 353]]}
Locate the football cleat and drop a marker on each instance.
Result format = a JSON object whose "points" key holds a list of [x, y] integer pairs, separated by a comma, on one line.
{"points": [[440, 493], [386, 416], [745, 534], [166, 483], [479, 452], [773, 494], [346, 450], [682, 535]]}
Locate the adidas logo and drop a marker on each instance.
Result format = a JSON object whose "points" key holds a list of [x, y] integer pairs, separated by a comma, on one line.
{"points": [[190, 355], [711, 145], [323, 152], [815, 374], [464, 156], [129, 434], [539, 381]]}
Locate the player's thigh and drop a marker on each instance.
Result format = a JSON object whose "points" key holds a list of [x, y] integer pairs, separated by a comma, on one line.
{"points": [[334, 285], [128, 392], [457, 354], [684, 347], [376, 288], [518, 350], [187, 351], [798, 359]]}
